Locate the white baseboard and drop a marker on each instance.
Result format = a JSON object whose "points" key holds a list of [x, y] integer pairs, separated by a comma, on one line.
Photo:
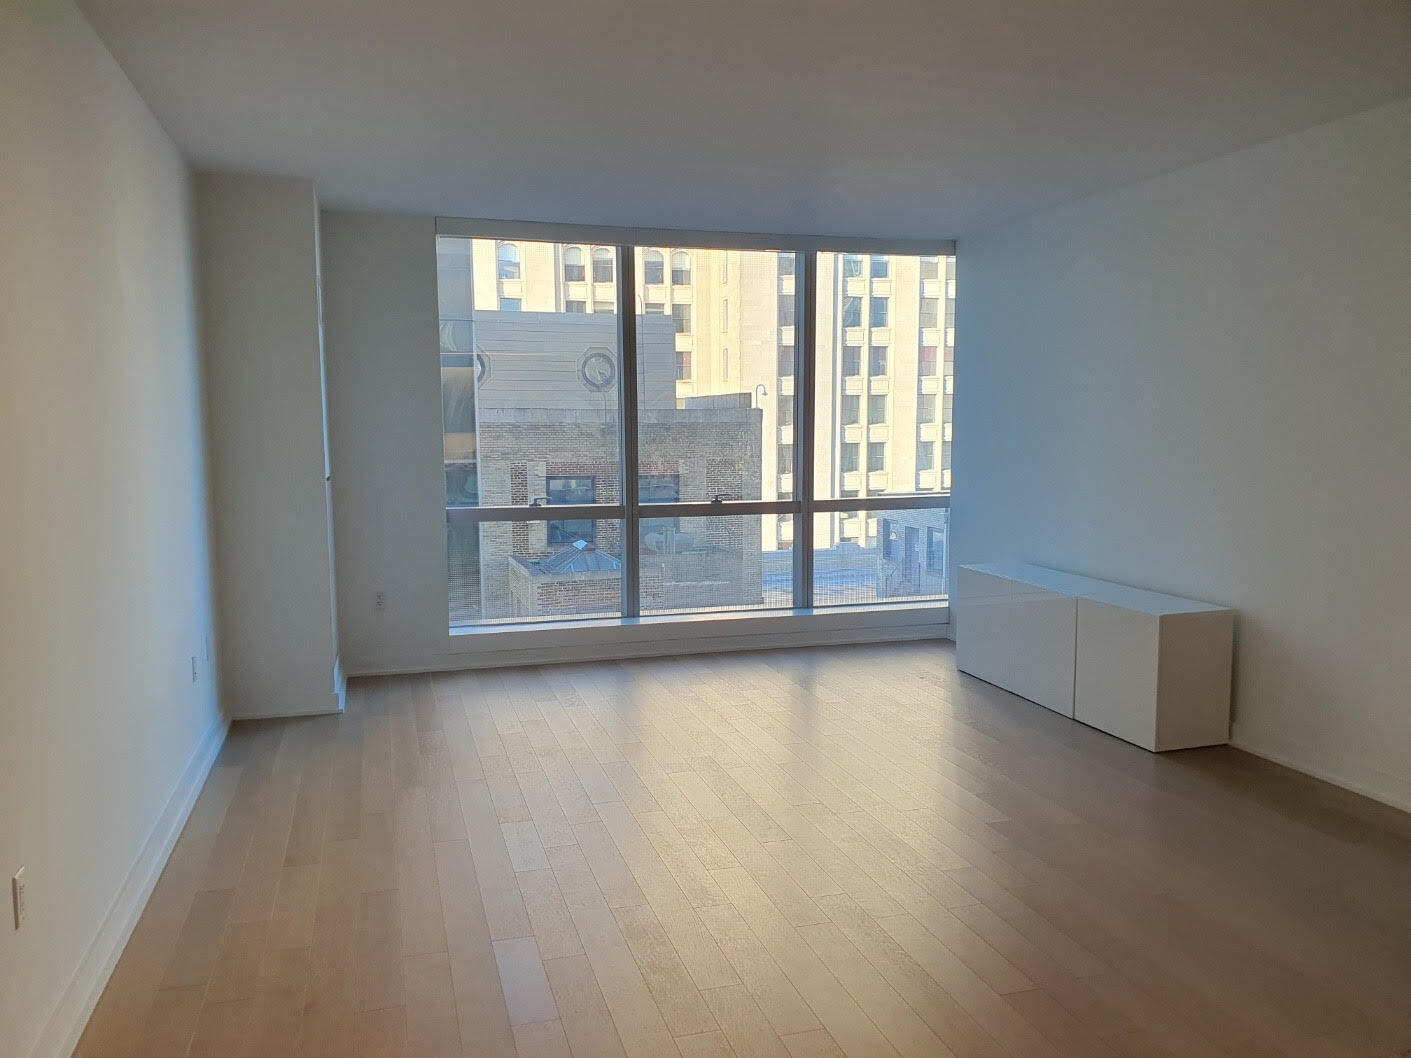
{"points": [[70, 1017], [815, 636], [1356, 776]]}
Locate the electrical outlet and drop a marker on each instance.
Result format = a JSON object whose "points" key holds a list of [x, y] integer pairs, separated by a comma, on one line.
{"points": [[17, 894], [379, 601], [193, 668]]}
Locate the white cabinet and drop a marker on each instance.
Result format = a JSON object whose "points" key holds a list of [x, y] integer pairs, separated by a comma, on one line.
{"points": [[1152, 669]]}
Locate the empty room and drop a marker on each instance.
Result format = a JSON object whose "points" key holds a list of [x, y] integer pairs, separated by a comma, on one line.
{"points": [[705, 530]]}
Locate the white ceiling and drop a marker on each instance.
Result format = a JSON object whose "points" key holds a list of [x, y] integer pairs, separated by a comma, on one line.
{"points": [[885, 117]]}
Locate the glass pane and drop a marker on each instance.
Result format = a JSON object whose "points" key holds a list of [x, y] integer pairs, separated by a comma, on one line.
{"points": [[529, 371], [501, 572], [733, 562], [885, 362], [879, 556], [714, 424]]}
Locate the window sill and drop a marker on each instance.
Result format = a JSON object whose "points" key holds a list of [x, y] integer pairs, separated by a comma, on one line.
{"points": [[898, 613]]}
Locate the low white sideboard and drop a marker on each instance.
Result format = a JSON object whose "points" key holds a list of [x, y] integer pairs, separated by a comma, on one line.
{"points": [[1149, 668]]}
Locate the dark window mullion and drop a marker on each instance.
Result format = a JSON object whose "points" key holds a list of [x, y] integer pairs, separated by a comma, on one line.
{"points": [[805, 386], [627, 419]]}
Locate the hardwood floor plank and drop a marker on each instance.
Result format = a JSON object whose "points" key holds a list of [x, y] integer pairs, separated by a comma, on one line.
{"points": [[671, 985], [481, 1010], [494, 871], [761, 975], [548, 914], [583, 1012], [433, 1030], [743, 1024], [545, 1039], [639, 1022]]}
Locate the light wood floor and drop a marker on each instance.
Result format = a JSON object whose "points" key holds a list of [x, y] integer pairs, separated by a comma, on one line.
{"points": [[848, 851]]}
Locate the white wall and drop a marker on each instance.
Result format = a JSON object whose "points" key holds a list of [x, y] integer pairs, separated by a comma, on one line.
{"points": [[384, 392], [105, 586], [384, 396], [1202, 384], [259, 269]]}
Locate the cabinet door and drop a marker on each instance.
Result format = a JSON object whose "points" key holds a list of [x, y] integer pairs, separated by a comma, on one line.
{"points": [[1115, 679], [1016, 636]]}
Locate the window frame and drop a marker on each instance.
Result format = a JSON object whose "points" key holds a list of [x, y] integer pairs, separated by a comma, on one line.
{"points": [[580, 265], [803, 504], [682, 276], [602, 255], [684, 320], [508, 260]]}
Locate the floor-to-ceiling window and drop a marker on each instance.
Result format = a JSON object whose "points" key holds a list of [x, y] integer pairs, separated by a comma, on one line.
{"points": [[659, 453]]}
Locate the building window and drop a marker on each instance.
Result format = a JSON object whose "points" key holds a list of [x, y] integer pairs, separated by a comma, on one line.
{"points": [[573, 271], [786, 264], [851, 409], [602, 265], [930, 268], [565, 490], [926, 361], [930, 312], [659, 488], [683, 365], [852, 361], [508, 256], [936, 551], [681, 318], [891, 540], [786, 410], [926, 455], [925, 408], [604, 306], [786, 311], [653, 267], [725, 315], [876, 409], [680, 268], [656, 308], [510, 304], [880, 266], [852, 312], [876, 456], [786, 360], [950, 337], [881, 310], [852, 266], [847, 458], [877, 361], [786, 459], [725, 363], [575, 306]]}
